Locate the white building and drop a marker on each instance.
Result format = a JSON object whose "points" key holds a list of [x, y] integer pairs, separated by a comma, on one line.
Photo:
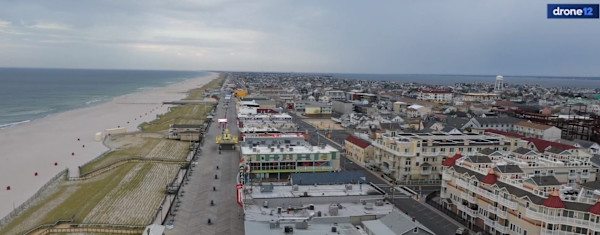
{"points": [[439, 96], [539, 131]]}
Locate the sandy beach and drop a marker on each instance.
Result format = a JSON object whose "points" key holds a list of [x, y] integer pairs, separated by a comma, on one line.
{"points": [[36, 146]]}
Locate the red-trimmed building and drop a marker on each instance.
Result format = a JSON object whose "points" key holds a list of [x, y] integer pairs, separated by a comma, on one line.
{"points": [[359, 150]]}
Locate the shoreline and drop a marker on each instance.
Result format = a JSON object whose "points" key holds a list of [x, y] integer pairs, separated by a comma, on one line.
{"points": [[36, 151]]}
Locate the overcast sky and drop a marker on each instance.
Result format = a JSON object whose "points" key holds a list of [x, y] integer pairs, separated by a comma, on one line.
{"points": [[509, 37]]}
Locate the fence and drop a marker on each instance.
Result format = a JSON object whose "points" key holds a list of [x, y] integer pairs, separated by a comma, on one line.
{"points": [[86, 228], [420, 182], [37, 197]]}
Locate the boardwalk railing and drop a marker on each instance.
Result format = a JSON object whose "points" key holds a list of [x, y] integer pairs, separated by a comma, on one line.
{"points": [[37, 197], [115, 164], [68, 227]]}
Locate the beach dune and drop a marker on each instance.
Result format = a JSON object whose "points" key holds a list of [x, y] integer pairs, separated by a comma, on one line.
{"points": [[68, 139]]}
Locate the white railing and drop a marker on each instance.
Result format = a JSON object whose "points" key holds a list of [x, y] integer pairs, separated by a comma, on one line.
{"points": [[489, 222], [466, 209], [585, 175], [494, 224], [493, 197], [469, 198], [392, 151], [555, 219], [462, 183], [425, 172], [545, 231], [501, 228], [446, 176], [499, 212], [572, 176]]}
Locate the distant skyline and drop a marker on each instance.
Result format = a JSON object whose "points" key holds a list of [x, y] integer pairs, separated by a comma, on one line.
{"points": [[499, 37]]}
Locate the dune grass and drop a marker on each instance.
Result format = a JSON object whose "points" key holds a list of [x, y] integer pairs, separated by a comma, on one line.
{"points": [[183, 114], [72, 199], [77, 199], [198, 93], [138, 150]]}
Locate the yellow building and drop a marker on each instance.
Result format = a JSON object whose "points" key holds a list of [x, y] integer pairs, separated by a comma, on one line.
{"points": [[418, 156], [359, 150], [241, 93]]}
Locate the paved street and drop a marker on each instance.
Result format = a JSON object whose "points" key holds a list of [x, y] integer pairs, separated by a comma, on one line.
{"points": [[195, 209], [424, 214]]}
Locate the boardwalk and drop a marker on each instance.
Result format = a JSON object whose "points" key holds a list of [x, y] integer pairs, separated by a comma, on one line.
{"points": [[195, 209]]}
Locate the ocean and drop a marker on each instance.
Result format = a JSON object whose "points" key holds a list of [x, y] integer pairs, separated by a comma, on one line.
{"points": [[575, 82], [27, 94]]}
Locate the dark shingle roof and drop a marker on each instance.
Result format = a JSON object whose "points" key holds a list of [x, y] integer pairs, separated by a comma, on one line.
{"points": [[584, 143], [508, 169], [522, 150], [479, 159], [497, 120], [555, 150], [548, 180], [487, 151], [592, 184], [458, 123]]}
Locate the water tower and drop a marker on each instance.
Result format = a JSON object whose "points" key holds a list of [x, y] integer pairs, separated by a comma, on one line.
{"points": [[499, 84]]}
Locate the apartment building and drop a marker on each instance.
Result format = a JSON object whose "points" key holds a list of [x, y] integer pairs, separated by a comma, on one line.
{"points": [[438, 96], [494, 123], [523, 191], [536, 130], [336, 95], [419, 156], [480, 97]]}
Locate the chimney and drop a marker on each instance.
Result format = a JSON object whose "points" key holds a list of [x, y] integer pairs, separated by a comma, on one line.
{"points": [[414, 220]]}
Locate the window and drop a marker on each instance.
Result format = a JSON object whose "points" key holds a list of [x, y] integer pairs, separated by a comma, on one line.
{"points": [[443, 150], [416, 230], [451, 150]]}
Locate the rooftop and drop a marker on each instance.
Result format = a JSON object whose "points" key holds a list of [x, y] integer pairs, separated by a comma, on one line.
{"points": [[533, 125]]}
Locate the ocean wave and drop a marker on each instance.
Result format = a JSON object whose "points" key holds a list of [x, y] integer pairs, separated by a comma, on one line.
{"points": [[27, 112], [13, 124], [147, 88]]}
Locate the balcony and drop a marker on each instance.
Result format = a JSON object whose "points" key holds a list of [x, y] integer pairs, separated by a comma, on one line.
{"points": [[572, 176], [493, 197], [446, 176], [545, 231], [499, 212], [554, 219], [494, 224], [467, 210], [426, 171], [469, 198], [585, 175]]}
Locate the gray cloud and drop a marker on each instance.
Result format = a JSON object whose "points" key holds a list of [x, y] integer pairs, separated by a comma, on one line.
{"points": [[458, 37]]}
